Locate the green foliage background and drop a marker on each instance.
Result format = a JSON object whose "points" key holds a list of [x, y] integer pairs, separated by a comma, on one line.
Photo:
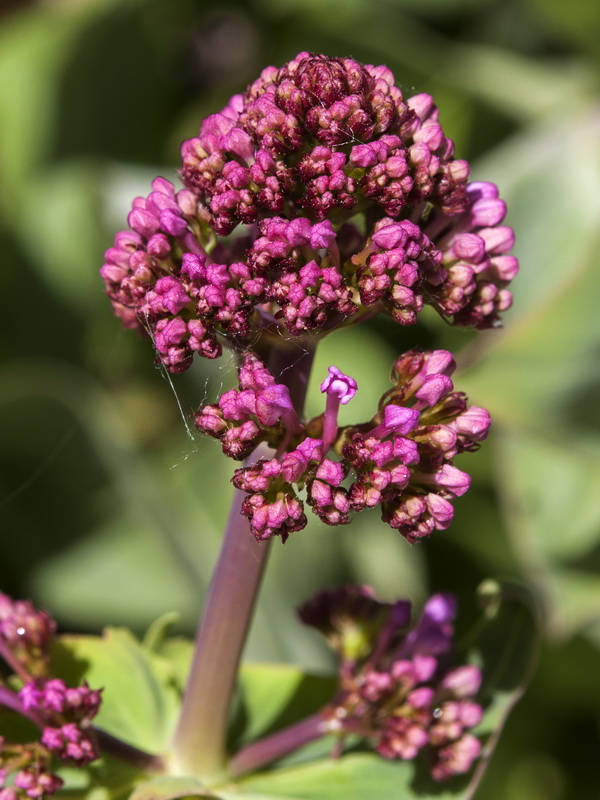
{"points": [[111, 512]]}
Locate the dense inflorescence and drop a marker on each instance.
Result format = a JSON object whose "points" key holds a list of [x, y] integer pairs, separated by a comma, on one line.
{"points": [[62, 713], [318, 196], [400, 460], [398, 686]]}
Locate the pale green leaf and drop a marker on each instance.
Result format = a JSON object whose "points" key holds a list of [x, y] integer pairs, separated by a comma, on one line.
{"points": [[171, 788], [140, 697]]}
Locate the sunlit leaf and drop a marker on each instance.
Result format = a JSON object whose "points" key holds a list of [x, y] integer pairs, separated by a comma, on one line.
{"points": [[171, 788], [140, 697]]}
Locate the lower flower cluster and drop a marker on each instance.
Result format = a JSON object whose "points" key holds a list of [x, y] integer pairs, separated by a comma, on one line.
{"points": [[62, 713], [397, 687], [401, 460]]}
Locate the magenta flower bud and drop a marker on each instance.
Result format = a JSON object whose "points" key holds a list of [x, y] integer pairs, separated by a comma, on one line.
{"points": [[171, 222], [440, 510], [456, 758], [55, 696], [298, 232], [273, 403], [462, 681], [487, 212], [168, 293], [440, 608], [421, 697], [364, 155], [27, 633], [254, 375], [473, 423], [422, 105], [52, 738], [498, 240], [399, 419], [143, 222], [193, 266], [238, 142], [467, 246], [407, 451], [293, 466], [31, 697], [433, 388], [322, 235], [158, 245], [169, 332], [439, 361], [332, 472], [448, 478]]}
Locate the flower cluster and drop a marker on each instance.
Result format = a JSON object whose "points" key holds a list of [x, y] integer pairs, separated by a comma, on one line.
{"points": [[401, 460], [25, 634], [397, 686], [350, 201], [62, 713]]}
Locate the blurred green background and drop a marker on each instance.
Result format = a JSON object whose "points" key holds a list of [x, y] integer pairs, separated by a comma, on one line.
{"points": [[111, 509]]}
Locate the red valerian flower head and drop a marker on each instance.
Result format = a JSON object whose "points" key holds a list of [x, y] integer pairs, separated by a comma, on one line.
{"points": [[398, 687], [62, 713], [346, 198], [400, 461]]}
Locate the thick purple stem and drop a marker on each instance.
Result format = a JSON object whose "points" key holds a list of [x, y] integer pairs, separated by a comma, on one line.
{"points": [[259, 754], [199, 743]]}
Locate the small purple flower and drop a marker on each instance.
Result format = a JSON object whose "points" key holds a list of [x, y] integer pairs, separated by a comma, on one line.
{"points": [[340, 389], [342, 386]]}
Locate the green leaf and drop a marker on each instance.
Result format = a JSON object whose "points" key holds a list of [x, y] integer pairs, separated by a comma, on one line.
{"points": [[528, 374], [171, 788], [106, 779], [581, 25], [353, 777], [141, 692], [549, 491]]}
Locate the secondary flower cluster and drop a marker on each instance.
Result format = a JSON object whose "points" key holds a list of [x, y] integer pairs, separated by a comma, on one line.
{"points": [[397, 686], [62, 713], [350, 201], [401, 460]]}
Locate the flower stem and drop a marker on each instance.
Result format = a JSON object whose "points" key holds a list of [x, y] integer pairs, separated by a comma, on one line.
{"points": [[264, 751], [130, 755], [13, 662], [200, 737], [10, 700]]}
